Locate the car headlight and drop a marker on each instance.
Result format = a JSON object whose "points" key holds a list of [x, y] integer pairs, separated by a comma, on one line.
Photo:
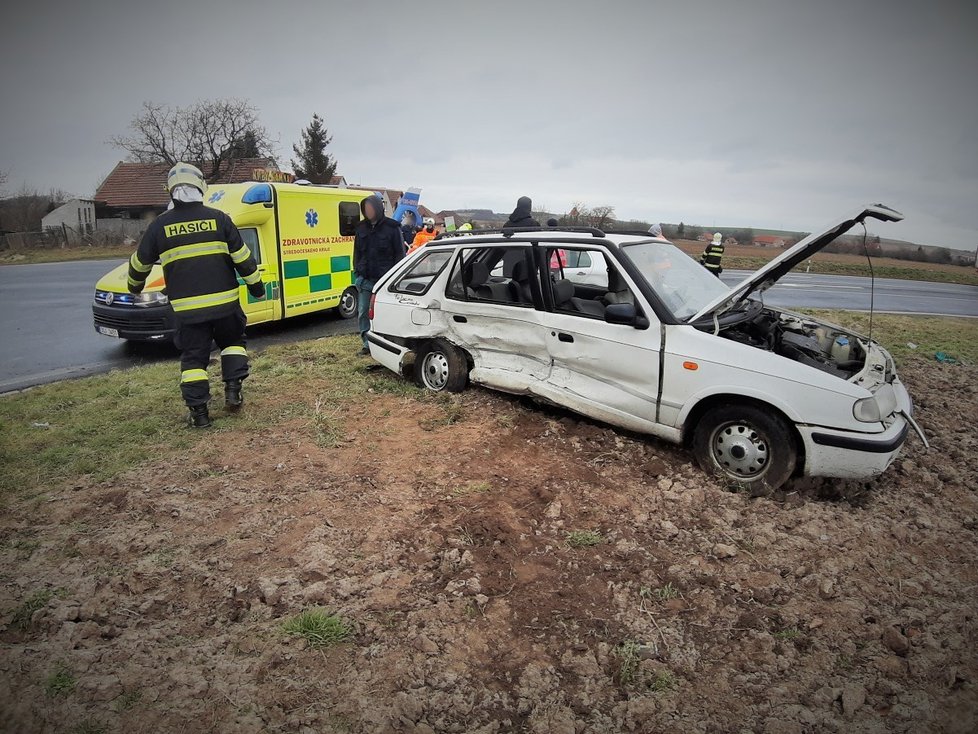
{"points": [[867, 410], [153, 298]]}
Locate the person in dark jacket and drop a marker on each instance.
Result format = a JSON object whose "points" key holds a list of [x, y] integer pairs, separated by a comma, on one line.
{"points": [[377, 247], [409, 228], [203, 256], [522, 215]]}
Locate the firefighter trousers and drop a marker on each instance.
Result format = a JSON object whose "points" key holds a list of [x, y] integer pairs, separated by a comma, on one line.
{"points": [[194, 342]]}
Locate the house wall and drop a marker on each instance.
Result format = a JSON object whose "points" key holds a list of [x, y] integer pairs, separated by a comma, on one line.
{"points": [[76, 214]]}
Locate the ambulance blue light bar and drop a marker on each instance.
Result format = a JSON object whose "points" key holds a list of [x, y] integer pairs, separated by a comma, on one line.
{"points": [[258, 194]]}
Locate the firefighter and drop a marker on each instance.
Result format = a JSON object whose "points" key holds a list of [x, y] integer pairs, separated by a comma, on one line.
{"points": [[712, 255], [202, 255]]}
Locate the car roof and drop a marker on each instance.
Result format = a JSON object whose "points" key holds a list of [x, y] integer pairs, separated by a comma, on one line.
{"points": [[579, 237]]}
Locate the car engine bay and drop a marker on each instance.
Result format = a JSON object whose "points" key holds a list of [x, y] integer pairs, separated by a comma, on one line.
{"points": [[802, 340]]}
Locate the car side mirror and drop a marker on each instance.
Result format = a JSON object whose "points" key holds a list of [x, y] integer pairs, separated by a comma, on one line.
{"points": [[625, 314]]}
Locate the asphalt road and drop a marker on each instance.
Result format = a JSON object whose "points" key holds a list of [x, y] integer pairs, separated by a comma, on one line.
{"points": [[803, 290], [47, 333]]}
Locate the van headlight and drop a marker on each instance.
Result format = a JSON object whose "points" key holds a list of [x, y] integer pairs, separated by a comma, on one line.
{"points": [[867, 410], [153, 298]]}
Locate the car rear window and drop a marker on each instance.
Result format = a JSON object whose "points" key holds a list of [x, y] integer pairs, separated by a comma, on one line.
{"points": [[417, 279]]}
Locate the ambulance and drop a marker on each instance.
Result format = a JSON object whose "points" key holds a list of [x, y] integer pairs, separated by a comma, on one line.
{"points": [[302, 238]]}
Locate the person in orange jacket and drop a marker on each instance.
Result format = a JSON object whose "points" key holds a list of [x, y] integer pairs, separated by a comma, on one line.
{"points": [[426, 234]]}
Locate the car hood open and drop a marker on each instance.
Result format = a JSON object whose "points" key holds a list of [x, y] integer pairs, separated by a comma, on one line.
{"points": [[764, 278]]}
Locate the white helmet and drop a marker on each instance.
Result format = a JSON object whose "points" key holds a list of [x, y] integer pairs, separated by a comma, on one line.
{"points": [[717, 238], [429, 222]]}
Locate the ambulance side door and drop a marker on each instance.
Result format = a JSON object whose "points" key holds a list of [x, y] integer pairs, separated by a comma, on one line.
{"points": [[263, 247]]}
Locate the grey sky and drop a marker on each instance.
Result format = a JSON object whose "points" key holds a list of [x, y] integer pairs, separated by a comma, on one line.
{"points": [[774, 113]]}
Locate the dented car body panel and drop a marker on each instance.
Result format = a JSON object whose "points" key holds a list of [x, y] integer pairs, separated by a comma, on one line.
{"points": [[632, 352]]}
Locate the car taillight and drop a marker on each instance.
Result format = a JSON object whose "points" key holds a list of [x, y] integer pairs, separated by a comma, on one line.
{"points": [[370, 311]]}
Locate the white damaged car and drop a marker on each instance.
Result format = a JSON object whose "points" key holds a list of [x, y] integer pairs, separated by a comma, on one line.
{"points": [[655, 344]]}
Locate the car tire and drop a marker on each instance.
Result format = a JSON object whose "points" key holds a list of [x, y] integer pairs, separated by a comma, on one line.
{"points": [[440, 366], [348, 303], [748, 446]]}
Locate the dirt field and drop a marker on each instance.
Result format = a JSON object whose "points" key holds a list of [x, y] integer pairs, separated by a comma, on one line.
{"points": [[503, 567]]}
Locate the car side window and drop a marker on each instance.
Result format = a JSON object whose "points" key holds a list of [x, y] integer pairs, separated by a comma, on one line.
{"points": [[249, 235], [586, 290], [418, 278], [504, 275], [349, 213], [582, 267]]}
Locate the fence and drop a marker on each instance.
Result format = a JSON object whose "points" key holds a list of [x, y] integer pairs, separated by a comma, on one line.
{"points": [[106, 232]]}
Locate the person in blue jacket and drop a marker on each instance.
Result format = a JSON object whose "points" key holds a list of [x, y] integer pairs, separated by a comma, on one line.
{"points": [[377, 247]]}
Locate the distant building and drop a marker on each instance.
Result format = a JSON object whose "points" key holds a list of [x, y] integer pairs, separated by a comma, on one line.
{"points": [[137, 190], [768, 240], [77, 215]]}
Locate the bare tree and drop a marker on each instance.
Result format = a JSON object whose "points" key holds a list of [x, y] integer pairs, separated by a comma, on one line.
{"points": [[602, 216], [582, 215], [3, 181], [22, 212], [210, 134]]}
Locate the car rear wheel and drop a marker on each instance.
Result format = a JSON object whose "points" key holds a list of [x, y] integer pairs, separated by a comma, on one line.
{"points": [[440, 366], [748, 446], [348, 303]]}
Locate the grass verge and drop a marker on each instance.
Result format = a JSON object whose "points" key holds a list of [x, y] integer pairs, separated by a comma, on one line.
{"points": [[65, 254], [98, 427]]}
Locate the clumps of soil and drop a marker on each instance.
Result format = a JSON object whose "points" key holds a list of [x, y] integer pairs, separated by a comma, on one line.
{"points": [[502, 567]]}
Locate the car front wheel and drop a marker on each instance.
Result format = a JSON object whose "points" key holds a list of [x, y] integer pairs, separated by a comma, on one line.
{"points": [[441, 366], [748, 446]]}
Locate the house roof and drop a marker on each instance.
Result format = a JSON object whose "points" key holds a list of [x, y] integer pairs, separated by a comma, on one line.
{"points": [[136, 185], [337, 180]]}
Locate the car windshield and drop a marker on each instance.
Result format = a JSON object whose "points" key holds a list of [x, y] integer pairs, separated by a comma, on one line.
{"points": [[683, 284]]}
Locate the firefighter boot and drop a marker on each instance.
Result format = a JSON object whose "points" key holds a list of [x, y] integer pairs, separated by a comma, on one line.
{"points": [[233, 399], [199, 417]]}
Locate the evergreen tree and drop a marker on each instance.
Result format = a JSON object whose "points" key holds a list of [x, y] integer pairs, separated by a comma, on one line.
{"points": [[681, 230], [312, 162]]}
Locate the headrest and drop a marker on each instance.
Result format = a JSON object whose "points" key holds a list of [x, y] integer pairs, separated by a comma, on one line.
{"points": [[563, 291], [521, 272], [478, 274], [615, 281], [510, 260]]}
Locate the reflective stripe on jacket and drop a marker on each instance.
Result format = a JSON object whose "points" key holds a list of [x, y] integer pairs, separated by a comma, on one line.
{"points": [[202, 255], [711, 256]]}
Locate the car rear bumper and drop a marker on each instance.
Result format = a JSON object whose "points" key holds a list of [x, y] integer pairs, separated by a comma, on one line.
{"points": [[154, 323], [388, 353]]}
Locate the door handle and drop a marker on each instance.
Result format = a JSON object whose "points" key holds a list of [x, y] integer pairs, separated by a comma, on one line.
{"points": [[565, 337], [460, 319]]}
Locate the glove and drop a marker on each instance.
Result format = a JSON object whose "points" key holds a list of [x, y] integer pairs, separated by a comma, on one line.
{"points": [[136, 289], [257, 290]]}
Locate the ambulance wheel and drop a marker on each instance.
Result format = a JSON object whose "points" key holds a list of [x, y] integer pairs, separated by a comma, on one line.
{"points": [[348, 303], [749, 447], [440, 366]]}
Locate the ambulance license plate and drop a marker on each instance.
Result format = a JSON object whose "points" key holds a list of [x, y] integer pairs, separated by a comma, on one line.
{"points": [[107, 331]]}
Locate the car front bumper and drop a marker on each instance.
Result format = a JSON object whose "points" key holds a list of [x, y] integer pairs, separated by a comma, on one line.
{"points": [[853, 455], [152, 323]]}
